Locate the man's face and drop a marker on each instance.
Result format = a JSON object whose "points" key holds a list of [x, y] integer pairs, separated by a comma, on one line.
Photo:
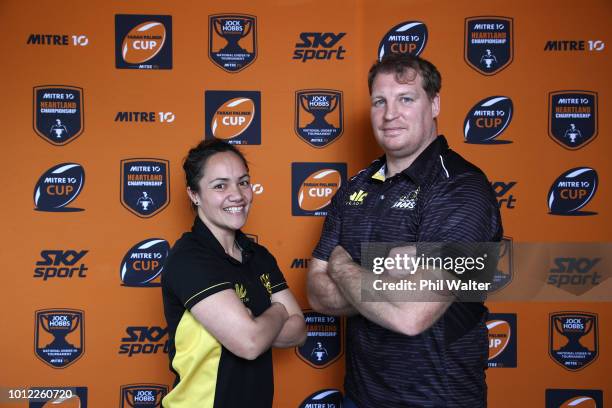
{"points": [[402, 116]]}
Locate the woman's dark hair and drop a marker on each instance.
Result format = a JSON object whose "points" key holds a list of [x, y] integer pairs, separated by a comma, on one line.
{"points": [[198, 156]]}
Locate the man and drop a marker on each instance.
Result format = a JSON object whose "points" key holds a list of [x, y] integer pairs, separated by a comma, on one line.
{"points": [[406, 354]]}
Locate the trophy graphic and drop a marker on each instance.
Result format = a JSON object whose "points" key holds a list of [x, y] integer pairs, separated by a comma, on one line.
{"points": [[572, 133], [232, 30], [573, 328], [59, 325], [319, 108], [319, 351], [141, 397], [488, 58]]}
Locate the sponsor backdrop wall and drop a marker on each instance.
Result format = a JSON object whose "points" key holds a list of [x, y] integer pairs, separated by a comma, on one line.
{"points": [[102, 101]]}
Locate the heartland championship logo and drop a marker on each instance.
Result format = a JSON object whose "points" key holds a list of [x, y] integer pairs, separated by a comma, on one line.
{"points": [[576, 275], [143, 41], [573, 339], [66, 397], [319, 116], [58, 187], [142, 395], [572, 118], [488, 119], [489, 43], [502, 340], [328, 398], [574, 398], [314, 185], [233, 116], [572, 191], [232, 41], [145, 186], [409, 37], [319, 46], [505, 266], [324, 342], [60, 264], [144, 340], [58, 113], [59, 337], [143, 263]]}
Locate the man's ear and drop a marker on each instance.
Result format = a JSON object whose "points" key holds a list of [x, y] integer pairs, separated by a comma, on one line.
{"points": [[435, 106]]}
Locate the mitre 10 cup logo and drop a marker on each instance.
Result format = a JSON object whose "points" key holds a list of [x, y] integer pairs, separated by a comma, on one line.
{"points": [[572, 190], [60, 397], [314, 185], [502, 340], [145, 186], [58, 113], [58, 187], [143, 41], [142, 395], [572, 118], [319, 116], [143, 263], [324, 342], [233, 116], [573, 339], [232, 41], [329, 398], [574, 398], [59, 336], [489, 43], [488, 119], [409, 37]]}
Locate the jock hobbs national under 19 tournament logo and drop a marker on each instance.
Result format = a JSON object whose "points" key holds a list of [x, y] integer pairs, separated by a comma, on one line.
{"points": [[58, 113], [58, 187], [144, 262], [145, 186], [59, 337], [233, 116], [232, 41], [319, 116], [489, 43], [573, 190], [573, 339], [409, 37], [487, 120], [313, 185], [143, 41], [572, 118], [142, 395]]}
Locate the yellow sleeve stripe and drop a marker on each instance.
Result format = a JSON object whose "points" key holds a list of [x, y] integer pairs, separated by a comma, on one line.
{"points": [[202, 291]]}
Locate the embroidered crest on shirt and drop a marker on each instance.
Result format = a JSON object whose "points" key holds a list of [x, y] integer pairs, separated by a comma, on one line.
{"points": [[357, 198], [407, 201], [241, 292], [265, 280]]}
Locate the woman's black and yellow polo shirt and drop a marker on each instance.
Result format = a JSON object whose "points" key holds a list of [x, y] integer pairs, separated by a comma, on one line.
{"points": [[208, 374]]}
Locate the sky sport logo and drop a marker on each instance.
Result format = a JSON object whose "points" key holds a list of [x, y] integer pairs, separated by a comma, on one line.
{"points": [[58, 113], [58, 187], [572, 191], [319, 46], [144, 340], [409, 37], [314, 185], [233, 116], [502, 340], [60, 264], [142, 265], [487, 120], [143, 41]]}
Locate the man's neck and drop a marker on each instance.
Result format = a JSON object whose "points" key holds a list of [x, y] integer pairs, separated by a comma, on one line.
{"points": [[397, 164]]}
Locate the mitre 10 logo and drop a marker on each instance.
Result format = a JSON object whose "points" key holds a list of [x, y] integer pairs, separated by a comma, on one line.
{"points": [[79, 40], [314, 185], [319, 46], [144, 340], [574, 398], [145, 117], [502, 340], [233, 116], [143, 41], [58, 264]]}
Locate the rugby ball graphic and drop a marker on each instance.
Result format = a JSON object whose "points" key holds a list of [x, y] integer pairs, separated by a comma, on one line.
{"points": [[232, 118], [579, 402], [144, 262], [143, 42], [499, 337], [318, 189], [59, 186], [572, 190]]}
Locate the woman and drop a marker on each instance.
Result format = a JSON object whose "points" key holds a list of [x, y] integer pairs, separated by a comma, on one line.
{"points": [[225, 300]]}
